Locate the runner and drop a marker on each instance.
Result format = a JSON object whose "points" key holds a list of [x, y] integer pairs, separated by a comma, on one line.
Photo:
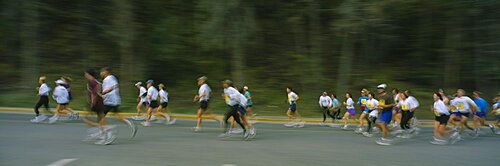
{"points": [[164, 106], [292, 109], [480, 114], [372, 110], [407, 106], [43, 92], [111, 99], [202, 98], [446, 99], [249, 101], [67, 80], [142, 101], [325, 103], [350, 111], [396, 112], [243, 115], [496, 111], [464, 106], [152, 98], [62, 99], [362, 108], [386, 103], [335, 107], [104, 135], [231, 97], [442, 114]]}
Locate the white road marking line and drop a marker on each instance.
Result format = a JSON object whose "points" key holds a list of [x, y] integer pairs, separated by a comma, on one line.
{"points": [[228, 165], [62, 162]]}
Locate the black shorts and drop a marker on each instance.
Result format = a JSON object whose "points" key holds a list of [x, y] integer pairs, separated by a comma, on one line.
{"points": [[164, 105], [465, 114], [145, 104], [204, 105], [63, 104], [249, 106], [153, 104], [442, 119], [293, 107], [108, 108]]}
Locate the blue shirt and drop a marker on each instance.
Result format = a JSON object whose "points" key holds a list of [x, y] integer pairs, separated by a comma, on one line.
{"points": [[362, 102], [247, 95], [482, 105], [335, 103]]}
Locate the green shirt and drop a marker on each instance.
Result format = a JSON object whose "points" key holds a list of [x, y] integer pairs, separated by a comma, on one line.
{"points": [[386, 100], [247, 95]]}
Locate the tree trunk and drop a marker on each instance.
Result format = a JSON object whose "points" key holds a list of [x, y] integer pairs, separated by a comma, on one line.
{"points": [[29, 43]]}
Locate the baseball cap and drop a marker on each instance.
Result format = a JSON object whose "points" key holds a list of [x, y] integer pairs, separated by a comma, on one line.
{"points": [[149, 81], [227, 82], [161, 85], [138, 83], [382, 86], [204, 78], [60, 82], [245, 87]]}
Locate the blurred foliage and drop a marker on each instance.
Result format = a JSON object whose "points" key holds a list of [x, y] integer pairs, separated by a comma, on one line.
{"points": [[312, 45]]}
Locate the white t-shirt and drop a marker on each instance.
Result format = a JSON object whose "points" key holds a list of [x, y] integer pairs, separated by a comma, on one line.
{"points": [[325, 101], [372, 104], [414, 101], [143, 93], [462, 104], [349, 103], [440, 108], [152, 93], [407, 104], [232, 96], [163, 96], [243, 100], [61, 95], [204, 89], [113, 97], [43, 90], [292, 97]]}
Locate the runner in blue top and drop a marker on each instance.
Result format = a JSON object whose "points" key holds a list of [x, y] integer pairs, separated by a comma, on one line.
{"points": [[249, 101], [480, 114]]}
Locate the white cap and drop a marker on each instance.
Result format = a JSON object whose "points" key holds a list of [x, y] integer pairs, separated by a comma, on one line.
{"points": [[60, 82], [245, 87], [382, 86], [138, 84]]}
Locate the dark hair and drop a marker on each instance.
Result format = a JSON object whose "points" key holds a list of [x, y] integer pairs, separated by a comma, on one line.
{"points": [[334, 95], [439, 95], [405, 93], [349, 93], [396, 90], [291, 89], [91, 72], [373, 94], [108, 69]]}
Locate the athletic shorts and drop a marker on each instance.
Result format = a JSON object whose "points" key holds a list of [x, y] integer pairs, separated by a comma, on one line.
{"points": [[442, 119], [351, 111], [498, 117], [480, 114], [204, 105], [293, 107], [164, 104], [249, 106], [396, 109], [456, 113], [362, 108], [242, 110], [466, 114], [112, 108], [386, 117], [145, 104], [63, 104], [153, 104]]}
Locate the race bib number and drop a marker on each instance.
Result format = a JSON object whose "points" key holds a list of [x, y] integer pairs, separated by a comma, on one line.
{"points": [[363, 101], [436, 113], [404, 107], [460, 106], [370, 105], [227, 98], [453, 108], [381, 102]]}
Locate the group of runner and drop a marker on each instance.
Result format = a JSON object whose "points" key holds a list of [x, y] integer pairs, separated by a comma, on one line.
{"points": [[381, 111]]}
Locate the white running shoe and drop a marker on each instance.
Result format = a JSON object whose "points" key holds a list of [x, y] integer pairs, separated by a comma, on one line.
{"points": [[384, 142], [366, 134], [146, 124], [454, 138], [322, 124], [110, 138], [300, 124], [253, 132], [137, 118], [53, 119], [345, 127], [396, 132], [37, 119], [289, 124], [492, 128], [224, 135], [235, 131], [196, 129], [436, 141], [171, 122]]}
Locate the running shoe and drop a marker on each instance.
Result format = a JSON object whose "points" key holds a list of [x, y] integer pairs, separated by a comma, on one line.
{"points": [[110, 138], [437, 141], [359, 130], [246, 135], [322, 124], [53, 119], [300, 124], [492, 128], [172, 121], [396, 132], [454, 138], [366, 134], [146, 124], [224, 135], [235, 131], [384, 141], [345, 127], [133, 128], [253, 132], [137, 118], [290, 124], [196, 129]]}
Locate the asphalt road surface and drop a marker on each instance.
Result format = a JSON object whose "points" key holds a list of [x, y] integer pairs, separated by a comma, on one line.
{"points": [[24, 144]]}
